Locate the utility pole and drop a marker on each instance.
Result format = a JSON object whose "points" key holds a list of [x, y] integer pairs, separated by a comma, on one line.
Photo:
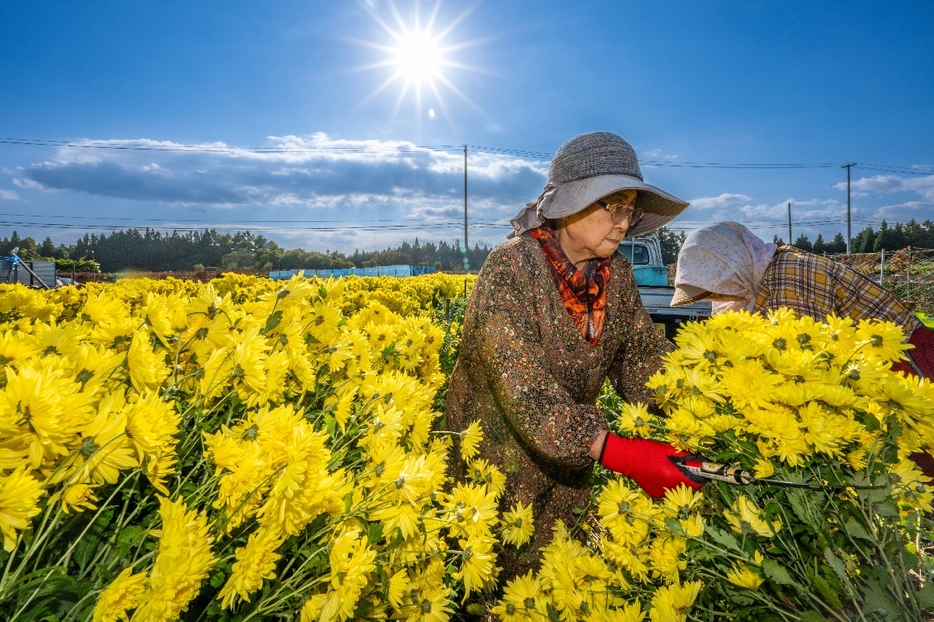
{"points": [[790, 239], [848, 233], [466, 262]]}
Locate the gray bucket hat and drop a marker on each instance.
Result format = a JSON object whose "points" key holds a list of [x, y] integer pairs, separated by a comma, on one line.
{"points": [[589, 167]]}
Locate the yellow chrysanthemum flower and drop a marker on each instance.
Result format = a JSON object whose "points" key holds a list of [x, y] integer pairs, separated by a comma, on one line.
{"points": [[881, 339], [478, 565], [397, 588], [428, 604], [666, 558], [351, 563], [256, 562], [472, 509], [750, 385], [672, 603], [14, 349], [523, 600], [78, 497], [120, 596], [147, 368], [764, 468], [53, 338], [518, 524], [480, 471], [745, 516], [628, 514], [680, 501], [19, 499], [743, 576], [634, 419], [41, 412], [183, 561], [470, 441]]}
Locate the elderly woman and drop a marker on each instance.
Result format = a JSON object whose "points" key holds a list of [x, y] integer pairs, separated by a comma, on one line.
{"points": [[727, 264], [554, 312]]}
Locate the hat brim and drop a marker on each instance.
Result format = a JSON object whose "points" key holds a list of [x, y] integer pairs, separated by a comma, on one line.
{"points": [[574, 196], [686, 294]]}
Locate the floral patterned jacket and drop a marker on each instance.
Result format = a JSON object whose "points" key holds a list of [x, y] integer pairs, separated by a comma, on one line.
{"points": [[532, 380]]}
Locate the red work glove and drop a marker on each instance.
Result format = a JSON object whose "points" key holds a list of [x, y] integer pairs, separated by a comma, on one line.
{"points": [[646, 462]]}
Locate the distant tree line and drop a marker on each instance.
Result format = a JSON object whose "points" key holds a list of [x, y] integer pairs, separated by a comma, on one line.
{"points": [[152, 251], [871, 241]]}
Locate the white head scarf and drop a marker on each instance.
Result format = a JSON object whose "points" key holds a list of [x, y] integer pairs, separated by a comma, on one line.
{"points": [[727, 260]]}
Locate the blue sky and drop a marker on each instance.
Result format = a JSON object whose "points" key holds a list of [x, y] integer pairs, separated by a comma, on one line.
{"points": [[284, 117]]}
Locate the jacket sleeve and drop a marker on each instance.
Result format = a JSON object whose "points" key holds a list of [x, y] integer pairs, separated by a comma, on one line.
{"points": [[502, 328], [640, 355]]}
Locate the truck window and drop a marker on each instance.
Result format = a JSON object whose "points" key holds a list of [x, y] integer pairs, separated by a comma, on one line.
{"points": [[637, 255]]}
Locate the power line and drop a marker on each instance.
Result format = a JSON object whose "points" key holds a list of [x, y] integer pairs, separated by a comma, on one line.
{"points": [[896, 169]]}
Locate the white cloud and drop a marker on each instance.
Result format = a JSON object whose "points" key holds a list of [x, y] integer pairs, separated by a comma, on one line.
{"points": [[886, 184], [721, 201], [8, 196], [658, 154], [313, 171]]}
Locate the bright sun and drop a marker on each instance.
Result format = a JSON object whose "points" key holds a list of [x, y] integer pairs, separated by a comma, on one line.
{"points": [[418, 57]]}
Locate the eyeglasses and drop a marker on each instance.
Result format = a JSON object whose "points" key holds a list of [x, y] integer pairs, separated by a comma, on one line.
{"points": [[629, 212]]}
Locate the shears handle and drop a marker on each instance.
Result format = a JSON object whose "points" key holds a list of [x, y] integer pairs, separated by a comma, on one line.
{"points": [[697, 466]]}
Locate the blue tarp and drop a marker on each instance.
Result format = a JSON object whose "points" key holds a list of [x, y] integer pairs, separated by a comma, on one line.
{"points": [[397, 270]]}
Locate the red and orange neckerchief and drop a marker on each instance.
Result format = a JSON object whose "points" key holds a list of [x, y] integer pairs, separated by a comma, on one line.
{"points": [[583, 295]]}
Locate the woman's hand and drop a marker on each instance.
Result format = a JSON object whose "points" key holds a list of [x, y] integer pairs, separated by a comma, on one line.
{"points": [[597, 447], [646, 462]]}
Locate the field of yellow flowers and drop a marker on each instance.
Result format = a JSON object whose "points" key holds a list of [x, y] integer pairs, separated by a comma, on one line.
{"points": [[254, 450]]}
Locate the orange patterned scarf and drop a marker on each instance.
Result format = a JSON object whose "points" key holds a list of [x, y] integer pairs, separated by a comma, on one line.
{"points": [[583, 292]]}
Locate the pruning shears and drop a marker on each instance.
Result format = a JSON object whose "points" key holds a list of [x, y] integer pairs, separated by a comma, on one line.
{"points": [[699, 468]]}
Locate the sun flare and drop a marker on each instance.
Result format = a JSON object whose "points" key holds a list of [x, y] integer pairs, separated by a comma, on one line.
{"points": [[418, 58]]}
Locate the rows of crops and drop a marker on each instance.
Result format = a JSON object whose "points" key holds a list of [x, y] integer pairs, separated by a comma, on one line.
{"points": [[251, 450]]}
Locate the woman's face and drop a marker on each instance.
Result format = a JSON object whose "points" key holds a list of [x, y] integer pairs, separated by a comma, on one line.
{"points": [[594, 233]]}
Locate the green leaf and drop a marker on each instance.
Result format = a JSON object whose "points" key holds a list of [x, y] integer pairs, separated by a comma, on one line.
{"points": [[812, 616], [799, 506], [45, 593], [855, 530], [741, 598], [776, 573], [273, 320], [887, 508], [552, 613], [926, 596], [723, 538], [89, 544], [375, 533], [673, 525], [868, 420], [836, 564], [827, 592], [877, 601], [878, 495]]}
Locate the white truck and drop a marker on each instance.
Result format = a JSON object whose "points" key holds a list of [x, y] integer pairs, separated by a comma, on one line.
{"points": [[645, 255]]}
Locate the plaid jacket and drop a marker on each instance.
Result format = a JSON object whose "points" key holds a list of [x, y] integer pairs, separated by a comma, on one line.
{"points": [[816, 286]]}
